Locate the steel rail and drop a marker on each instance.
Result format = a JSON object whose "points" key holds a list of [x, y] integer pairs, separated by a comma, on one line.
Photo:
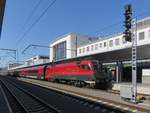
{"points": [[86, 100], [40, 102], [133, 106], [23, 110]]}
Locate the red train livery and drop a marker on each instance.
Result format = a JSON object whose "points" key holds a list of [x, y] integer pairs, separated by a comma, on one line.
{"points": [[74, 72]]}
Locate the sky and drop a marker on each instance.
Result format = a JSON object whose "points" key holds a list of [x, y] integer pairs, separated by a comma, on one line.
{"points": [[89, 17]]}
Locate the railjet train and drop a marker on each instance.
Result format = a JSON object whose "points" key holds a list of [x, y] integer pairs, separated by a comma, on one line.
{"points": [[79, 73]]}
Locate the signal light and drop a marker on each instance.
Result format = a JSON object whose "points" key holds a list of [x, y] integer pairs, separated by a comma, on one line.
{"points": [[128, 24]]}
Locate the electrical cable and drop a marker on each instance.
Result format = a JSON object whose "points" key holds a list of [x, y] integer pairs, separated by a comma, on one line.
{"points": [[35, 22]]}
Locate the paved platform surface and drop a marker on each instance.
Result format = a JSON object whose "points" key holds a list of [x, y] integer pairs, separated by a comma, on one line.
{"points": [[141, 88], [88, 92]]}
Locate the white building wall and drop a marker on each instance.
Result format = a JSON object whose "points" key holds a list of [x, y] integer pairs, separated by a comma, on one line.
{"points": [[68, 46], [122, 43], [71, 40]]}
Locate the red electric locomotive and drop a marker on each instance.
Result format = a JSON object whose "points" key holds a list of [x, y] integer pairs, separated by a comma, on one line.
{"points": [[80, 73]]}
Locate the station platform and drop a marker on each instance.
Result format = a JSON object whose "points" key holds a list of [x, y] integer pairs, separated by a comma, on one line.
{"points": [[141, 88], [94, 95]]}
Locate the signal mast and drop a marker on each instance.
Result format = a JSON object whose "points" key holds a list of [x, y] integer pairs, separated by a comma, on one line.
{"points": [[130, 35]]}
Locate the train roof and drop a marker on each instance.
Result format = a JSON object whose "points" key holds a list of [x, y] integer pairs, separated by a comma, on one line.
{"points": [[56, 62]]}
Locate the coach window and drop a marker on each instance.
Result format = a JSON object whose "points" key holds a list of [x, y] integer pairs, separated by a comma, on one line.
{"points": [[110, 43], [141, 36], [86, 67], [104, 44], [91, 47], [117, 41]]}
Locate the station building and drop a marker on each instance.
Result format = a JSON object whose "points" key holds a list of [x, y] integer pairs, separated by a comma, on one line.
{"points": [[65, 47], [113, 51]]}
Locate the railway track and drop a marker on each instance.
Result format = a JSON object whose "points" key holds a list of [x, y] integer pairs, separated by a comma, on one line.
{"points": [[22, 101], [66, 89], [66, 103]]}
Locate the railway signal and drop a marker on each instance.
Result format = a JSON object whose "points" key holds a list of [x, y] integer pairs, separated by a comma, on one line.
{"points": [[128, 22], [130, 36]]}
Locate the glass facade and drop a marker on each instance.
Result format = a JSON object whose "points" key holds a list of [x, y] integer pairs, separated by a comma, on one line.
{"points": [[59, 51]]}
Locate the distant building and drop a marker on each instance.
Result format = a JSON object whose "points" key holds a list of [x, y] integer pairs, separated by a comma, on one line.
{"points": [[13, 65], [38, 59]]}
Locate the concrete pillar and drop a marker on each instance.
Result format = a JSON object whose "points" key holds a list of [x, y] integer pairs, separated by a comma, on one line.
{"points": [[119, 71], [117, 74]]}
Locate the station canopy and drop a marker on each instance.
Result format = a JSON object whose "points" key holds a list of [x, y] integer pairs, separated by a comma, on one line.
{"points": [[2, 8]]}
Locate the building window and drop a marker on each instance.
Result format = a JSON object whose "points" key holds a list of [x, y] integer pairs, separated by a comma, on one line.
{"points": [[91, 47], [110, 43], [79, 50], [83, 50], [96, 46], [117, 41], [87, 49], [100, 45], [141, 35], [149, 34], [105, 44], [59, 51], [123, 40]]}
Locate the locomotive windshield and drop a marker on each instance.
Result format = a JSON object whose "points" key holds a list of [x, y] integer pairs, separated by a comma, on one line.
{"points": [[96, 65]]}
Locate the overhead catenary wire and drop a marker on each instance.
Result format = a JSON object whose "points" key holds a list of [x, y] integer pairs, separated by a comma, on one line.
{"points": [[29, 18], [35, 22], [105, 28]]}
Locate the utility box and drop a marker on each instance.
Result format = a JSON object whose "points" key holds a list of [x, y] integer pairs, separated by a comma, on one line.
{"points": [[145, 76], [126, 92]]}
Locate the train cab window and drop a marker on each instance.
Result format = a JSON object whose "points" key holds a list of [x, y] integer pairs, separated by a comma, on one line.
{"points": [[86, 67], [96, 65]]}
